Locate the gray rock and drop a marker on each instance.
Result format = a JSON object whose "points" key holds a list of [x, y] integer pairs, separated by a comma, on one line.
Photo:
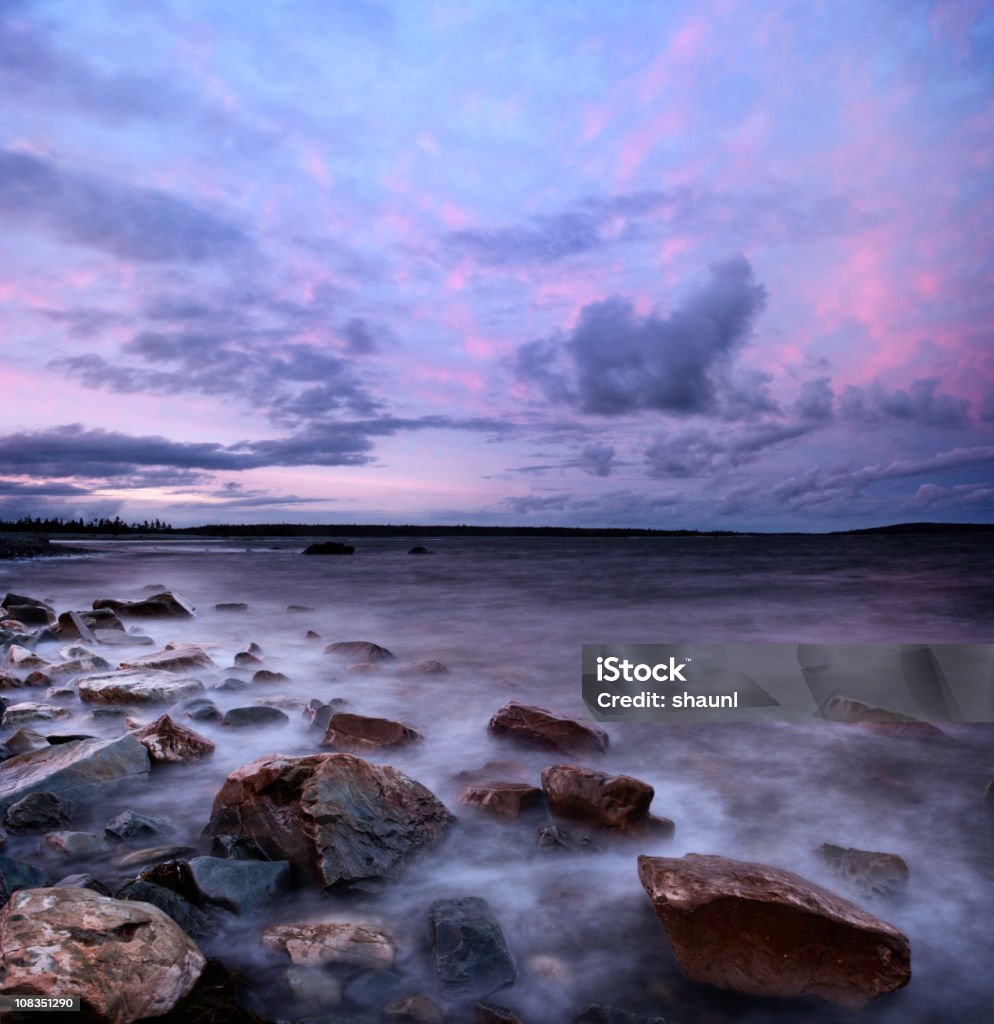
{"points": [[132, 825], [18, 874], [158, 606], [372, 990], [73, 844], [255, 715], [242, 886], [40, 811], [599, 1013], [471, 956], [233, 685], [191, 919], [82, 881], [199, 709]]}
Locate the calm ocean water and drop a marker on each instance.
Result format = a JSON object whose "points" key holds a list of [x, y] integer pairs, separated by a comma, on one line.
{"points": [[508, 616]]}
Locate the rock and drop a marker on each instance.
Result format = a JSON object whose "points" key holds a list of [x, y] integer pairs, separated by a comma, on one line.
{"points": [[490, 1013], [237, 848], [332, 942], [21, 659], [312, 635], [598, 1013], [233, 685], [313, 988], [191, 919], [16, 875], [245, 659], [127, 961], [158, 606], [38, 812], [513, 771], [264, 676], [79, 769], [419, 549], [471, 956], [8, 682], [112, 711], [363, 667], [427, 668], [172, 659], [542, 728], [83, 881], [765, 931], [25, 740], [32, 614], [86, 625], [19, 600], [168, 742], [419, 1008], [18, 714], [360, 734], [329, 548], [372, 989], [359, 650], [3, 839], [198, 709], [255, 715], [339, 818], [138, 686], [554, 838], [231, 606], [296, 608], [132, 825], [74, 844], [869, 873], [856, 712], [596, 798], [242, 886], [505, 799]]}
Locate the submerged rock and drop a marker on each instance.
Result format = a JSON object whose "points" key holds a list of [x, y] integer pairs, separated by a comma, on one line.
{"points": [[168, 742], [359, 650], [254, 715], [127, 961], [419, 549], [331, 942], [339, 818], [40, 811], [138, 686], [231, 606], [471, 955], [596, 798], [361, 734], [85, 625], [27, 711], [540, 727], [177, 658], [242, 886], [266, 676], [870, 873], [856, 712], [490, 1013], [553, 838], [504, 799], [329, 547], [159, 606], [765, 931]]}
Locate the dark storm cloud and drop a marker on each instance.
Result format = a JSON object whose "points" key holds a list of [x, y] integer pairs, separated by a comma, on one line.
{"points": [[13, 488], [615, 362], [126, 221], [922, 403]]}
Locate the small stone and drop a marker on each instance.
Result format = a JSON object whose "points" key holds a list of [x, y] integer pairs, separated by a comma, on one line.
{"points": [[24, 741], [233, 685], [245, 659], [266, 677], [471, 955], [427, 668], [251, 716], [540, 727], [329, 547], [867, 872], [359, 734], [231, 606], [553, 838], [596, 798]]}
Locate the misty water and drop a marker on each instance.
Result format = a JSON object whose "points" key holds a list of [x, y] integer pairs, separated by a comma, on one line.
{"points": [[508, 616]]}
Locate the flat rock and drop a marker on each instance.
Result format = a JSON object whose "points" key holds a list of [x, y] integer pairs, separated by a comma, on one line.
{"points": [[38, 812], [127, 961], [331, 942], [764, 931], [597, 798], [177, 658], [359, 650], [91, 622], [138, 686], [16, 875], [361, 734], [471, 956], [867, 872], [504, 799], [78, 769], [254, 715], [339, 818], [133, 825], [540, 727], [24, 741], [159, 606], [242, 886], [28, 711], [168, 742]]}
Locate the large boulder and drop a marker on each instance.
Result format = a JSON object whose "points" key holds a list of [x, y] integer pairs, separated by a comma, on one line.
{"points": [[540, 727], [359, 650], [126, 960], [166, 741], [87, 624], [471, 955], [138, 686], [176, 658], [78, 769], [361, 734], [768, 932], [194, 921], [158, 606], [38, 812], [315, 943], [337, 817], [596, 798]]}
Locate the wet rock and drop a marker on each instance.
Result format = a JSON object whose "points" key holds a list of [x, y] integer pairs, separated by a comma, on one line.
{"points": [[856, 712], [266, 677], [132, 825], [112, 711], [83, 881], [471, 956], [254, 715], [40, 811], [168, 742], [312, 635], [242, 886], [330, 942], [79, 769], [361, 734], [329, 548], [198, 709], [768, 932], [231, 606], [490, 1013], [158, 606], [419, 549], [339, 818], [16, 875], [237, 848], [254, 648], [245, 659], [359, 650], [598, 1013], [552, 838], [319, 714], [233, 685], [9, 682], [31, 614], [540, 727], [419, 1008], [596, 798], [373, 989], [190, 918], [25, 740], [74, 844], [504, 799], [427, 668], [867, 872], [138, 686], [28, 711], [177, 658], [86, 625], [74, 940], [19, 600], [23, 659]]}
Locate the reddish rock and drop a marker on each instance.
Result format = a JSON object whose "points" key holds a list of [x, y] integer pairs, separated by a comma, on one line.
{"points": [[359, 650], [335, 816], [166, 741], [505, 799], [542, 728], [158, 606], [513, 771], [866, 871], [331, 942], [596, 798], [359, 734], [874, 719], [765, 931]]}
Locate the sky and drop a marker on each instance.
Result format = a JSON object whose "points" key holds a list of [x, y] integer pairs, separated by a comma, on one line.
{"points": [[723, 265]]}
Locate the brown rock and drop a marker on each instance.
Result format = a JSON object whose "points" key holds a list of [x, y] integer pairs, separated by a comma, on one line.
{"points": [[337, 817], [331, 942], [359, 650], [596, 798], [173, 659], [542, 728], [867, 872], [166, 741], [874, 719], [264, 676], [513, 771], [360, 734], [159, 606], [126, 960], [505, 799], [417, 1008], [82, 625], [427, 668], [764, 931]]}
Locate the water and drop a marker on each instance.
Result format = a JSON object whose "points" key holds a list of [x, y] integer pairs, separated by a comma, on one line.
{"points": [[508, 616]]}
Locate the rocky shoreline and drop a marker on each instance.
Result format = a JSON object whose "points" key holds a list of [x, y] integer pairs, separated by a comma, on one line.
{"points": [[27, 545], [332, 825]]}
